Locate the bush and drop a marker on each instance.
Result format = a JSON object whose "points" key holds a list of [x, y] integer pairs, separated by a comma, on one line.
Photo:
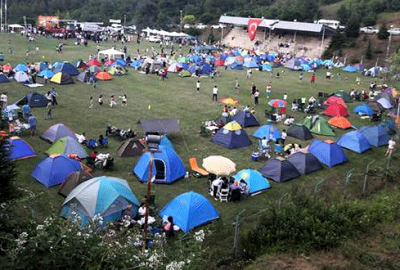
{"points": [[383, 32], [354, 60]]}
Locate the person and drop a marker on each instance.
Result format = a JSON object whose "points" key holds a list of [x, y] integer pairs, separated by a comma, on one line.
{"points": [[301, 76], [256, 95], [169, 227], [328, 75], [49, 110], [216, 184], [294, 105], [101, 139], [248, 73], [4, 100], [283, 136], [53, 95], [313, 78], [247, 108], [237, 84], [93, 154], [112, 101], [285, 96], [198, 86], [243, 187], [215, 93], [11, 129], [283, 112], [100, 100], [142, 209], [81, 138], [289, 121], [233, 111], [269, 89], [391, 145], [32, 124], [26, 111], [264, 143], [311, 100], [124, 100], [277, 75]]}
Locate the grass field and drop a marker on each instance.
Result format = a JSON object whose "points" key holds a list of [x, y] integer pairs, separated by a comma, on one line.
{"points": [[148, 98]]}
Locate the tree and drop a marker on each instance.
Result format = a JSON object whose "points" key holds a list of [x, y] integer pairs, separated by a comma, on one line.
{"points": [[343, 14], [206, 18], [8, 173], [368, 53], [383, 32], [189, 18], [369, 20], [353, 26]]}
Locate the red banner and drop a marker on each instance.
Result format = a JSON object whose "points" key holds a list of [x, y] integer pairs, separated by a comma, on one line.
{"points": [[252, 27]]}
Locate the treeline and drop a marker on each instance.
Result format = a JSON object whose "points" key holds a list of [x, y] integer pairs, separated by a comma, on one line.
{"points": [[159, 13]]}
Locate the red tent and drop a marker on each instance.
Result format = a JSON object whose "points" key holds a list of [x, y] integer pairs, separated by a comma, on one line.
{"points": [[94, 62], [337, 100], [219, 62], [336, 109], [109, 62]]}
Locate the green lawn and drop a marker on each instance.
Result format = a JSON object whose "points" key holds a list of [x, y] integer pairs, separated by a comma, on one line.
{"points": [[149, 97]]}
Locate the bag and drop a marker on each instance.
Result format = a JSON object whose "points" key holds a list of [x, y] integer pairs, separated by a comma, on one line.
{"points": [[92, 143]]}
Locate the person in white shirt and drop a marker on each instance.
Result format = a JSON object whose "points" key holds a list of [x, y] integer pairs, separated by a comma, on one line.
{"points": [[233, 111], [3, 100], [198, 86], [216, 184], [285, 96], [215, 93], [289, 121], [311, 100], [391, 146]]}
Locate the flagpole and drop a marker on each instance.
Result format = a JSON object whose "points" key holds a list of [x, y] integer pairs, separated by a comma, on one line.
{"points": [[1, 16]]}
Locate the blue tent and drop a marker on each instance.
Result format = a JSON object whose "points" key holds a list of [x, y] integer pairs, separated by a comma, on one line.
{"points": [[66, 146], [330, 154], [350, 69], [167, 166], [279, 170], [376, 135], [232, 135], [265, 131], [266, 67], [255, 181], [205, 68], [293, 64], [48, 73], [305, 67], [42, 66], [166, 142], [120, 62], [190, 210], [19, 149], [354, 141], [104, 195], [3, 78], [136, 64], [327, 63], [68, 68], [390, 125], [54, 169], [246, 119], [21, 67], [271, 57], [305, 163], [235, 66], [363, 109], [250, 64], [183, 65]]}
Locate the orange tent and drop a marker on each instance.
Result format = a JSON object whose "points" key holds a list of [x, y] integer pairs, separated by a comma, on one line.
{"points": [[340, 122], [229, 101], [337, 100], [7, 68], [94, 62], [104, 76]]}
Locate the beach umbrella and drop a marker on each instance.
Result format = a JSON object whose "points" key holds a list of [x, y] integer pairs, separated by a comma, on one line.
{"points": [[219, 165], [277, 103]]}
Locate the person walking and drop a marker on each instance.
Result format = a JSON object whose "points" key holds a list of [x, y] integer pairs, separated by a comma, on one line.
{"points": [[112, 101], [237, 85], [269, 89], [198, 86], [32, 124], [391, 145], [215, 94], [100, 100], [90, 102], [53, 95], [313, 78], [256, 95]]}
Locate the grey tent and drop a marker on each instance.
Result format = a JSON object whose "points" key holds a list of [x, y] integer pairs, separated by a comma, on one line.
{"points": [[131, 148], [160, 125], [300, 132], [73, 180], [33, 99], [305, 163], [83, 77], [279, 170], [57, 131], [224, 118]]}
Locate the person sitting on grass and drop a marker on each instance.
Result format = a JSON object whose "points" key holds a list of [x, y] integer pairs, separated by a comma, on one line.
{"points": [[169, 227]]}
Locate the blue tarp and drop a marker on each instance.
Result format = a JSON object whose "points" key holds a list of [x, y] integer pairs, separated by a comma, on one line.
{"points": [[190, 210], [330, 154], [376, 135], [255, 181], [48, 73], [363, 109], [350, 69], [354, 141]]}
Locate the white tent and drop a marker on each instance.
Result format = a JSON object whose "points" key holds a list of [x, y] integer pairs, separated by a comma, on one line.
{"points": [[21, 76], [111, 53]]}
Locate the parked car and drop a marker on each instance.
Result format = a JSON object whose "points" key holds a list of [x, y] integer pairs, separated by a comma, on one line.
{"points": [[217, 26], [187, 26], [155, 39], [394, 31], [201, 26], [369, 30]]}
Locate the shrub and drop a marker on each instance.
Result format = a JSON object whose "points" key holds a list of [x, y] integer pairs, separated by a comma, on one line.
{"points": [[354, 61]]}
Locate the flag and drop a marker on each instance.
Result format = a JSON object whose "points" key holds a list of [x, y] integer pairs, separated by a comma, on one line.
{"points": [[252, 27]]}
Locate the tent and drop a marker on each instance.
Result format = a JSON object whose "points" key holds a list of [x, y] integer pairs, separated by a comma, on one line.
{"points": [[300, 132], [57, 131], [67, 145], [73, 180], [390, 125], [345, 96], [19, 149], [83, 77], [354, 141], [167, 166], [54, 169], [375, 106], [94, 62], [350, 69], [68, 68], [81, 64], [327, 152], [256, 183], [21, 76], [305, 163], [104, 76], [185, 73], [266, 67], [232, 135], [376, 135], [48, 73], [190, 210], [250, 63], [245, 119], [318, 125], [266, 131], [130, 148], [363, 109], [336, 109], [62, 78], [225, 118], [111, 54], [166, 142], [3, 78], [105, 196], [385, 103], [94, 69], [20, 67], [33, 99], [279, 170], [293, 64], [340, 122], [41, 66], [334, 99]]}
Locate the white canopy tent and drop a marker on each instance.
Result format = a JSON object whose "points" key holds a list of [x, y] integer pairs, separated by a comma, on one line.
{"points": [[111, 53], [15, 27]]}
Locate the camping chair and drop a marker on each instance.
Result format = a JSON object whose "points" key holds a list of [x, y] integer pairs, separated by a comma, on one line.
{"points": [[197, 171], [223, 195], [2, 57]]}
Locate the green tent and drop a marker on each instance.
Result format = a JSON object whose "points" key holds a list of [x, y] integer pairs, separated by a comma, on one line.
{"points": [[185, 73], [317, 125], [345, 96], [307, 121], [66, 146]]}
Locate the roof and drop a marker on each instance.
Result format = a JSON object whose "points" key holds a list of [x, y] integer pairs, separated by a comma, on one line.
{"points": [[160, 125], [244, 20]]}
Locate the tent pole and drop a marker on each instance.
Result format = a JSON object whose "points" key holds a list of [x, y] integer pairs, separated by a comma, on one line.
{"points": [[146, 216]]}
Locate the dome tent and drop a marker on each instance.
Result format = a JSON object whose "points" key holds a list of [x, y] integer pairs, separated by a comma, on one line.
{"points": [[19, 149], [167, 166], [245, 119], [255, 181], [354, 141], [305, 163], [57, 131], [279, 170], [232, 135], [33, 99], [327, 152]]}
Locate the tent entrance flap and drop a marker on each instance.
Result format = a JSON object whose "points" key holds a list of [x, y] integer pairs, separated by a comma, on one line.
{"points": [[160, 169]]}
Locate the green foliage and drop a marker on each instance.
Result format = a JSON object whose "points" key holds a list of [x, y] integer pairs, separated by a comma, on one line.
{"points": [[354, 60], [206, 18], [8, 174], [188, 18], [369, 20], [383, 32], [305, 223], [343, 14], [368, 53], [353, 25]]}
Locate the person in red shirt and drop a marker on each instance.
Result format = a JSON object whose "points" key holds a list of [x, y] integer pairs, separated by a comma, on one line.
{"points": [[313, 78]]}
